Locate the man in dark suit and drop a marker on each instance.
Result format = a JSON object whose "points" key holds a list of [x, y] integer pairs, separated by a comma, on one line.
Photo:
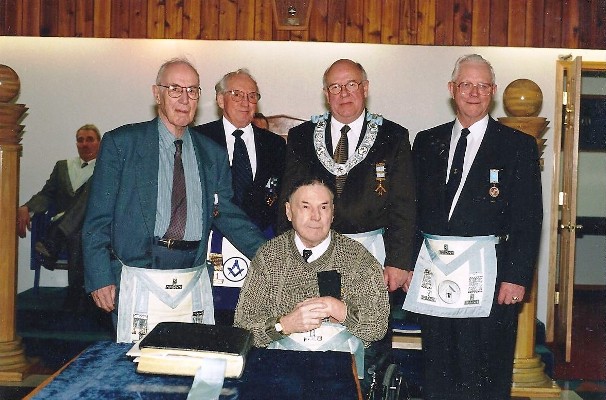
{"points": [[237, 95], [373, 174], [66, 193], [133, 219], [476, 179]]}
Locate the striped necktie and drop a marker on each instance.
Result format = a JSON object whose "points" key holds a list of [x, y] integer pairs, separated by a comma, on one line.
{"points": [[340, 156], [178, 201]]}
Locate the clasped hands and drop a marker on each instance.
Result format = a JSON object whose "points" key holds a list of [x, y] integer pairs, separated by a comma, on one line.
{"points": [[309, 313]]}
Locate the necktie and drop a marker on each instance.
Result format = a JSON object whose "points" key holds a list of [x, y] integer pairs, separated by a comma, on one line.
{"points": [[84, 164], [456, 169], [306, 254], [240, 169], [178, 200], [340, 157]]}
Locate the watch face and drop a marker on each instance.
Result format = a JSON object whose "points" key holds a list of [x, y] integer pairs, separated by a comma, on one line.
{"points": [[449, 292]]}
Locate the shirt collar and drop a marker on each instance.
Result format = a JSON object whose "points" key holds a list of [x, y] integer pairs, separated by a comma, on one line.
{"points": [[316, 251], [355, 126], [476, 130], [230, 128]]}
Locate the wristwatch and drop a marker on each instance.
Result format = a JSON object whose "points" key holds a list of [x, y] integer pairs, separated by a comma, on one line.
{"points": [[278, 326]]}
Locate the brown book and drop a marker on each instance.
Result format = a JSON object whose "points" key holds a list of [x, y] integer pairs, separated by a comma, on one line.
{"points": [[179, 348]]}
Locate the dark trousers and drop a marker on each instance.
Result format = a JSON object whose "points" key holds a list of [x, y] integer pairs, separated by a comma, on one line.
{"points": [[470, 358]]}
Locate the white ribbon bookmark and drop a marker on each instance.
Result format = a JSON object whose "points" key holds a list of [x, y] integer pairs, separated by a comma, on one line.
{"points": [[208, 380]]}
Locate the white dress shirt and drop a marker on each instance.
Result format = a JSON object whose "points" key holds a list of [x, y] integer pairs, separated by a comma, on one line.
{"points": [[249, 140]]}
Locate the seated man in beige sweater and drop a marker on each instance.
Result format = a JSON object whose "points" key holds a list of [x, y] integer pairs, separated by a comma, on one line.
{"points": [[312, 288]]}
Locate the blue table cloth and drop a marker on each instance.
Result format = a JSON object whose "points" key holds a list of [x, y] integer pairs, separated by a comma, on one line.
{"points": [[103, 371]]}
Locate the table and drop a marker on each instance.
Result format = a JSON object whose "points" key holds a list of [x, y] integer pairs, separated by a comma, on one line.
{"points": [[103, 371]]}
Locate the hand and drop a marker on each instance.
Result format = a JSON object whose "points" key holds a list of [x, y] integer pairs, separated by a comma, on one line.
{"points": [[510, 293], [105, 298], [306, 316], [23, 221], [396, 278]]}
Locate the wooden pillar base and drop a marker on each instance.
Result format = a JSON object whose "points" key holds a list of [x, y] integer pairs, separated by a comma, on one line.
{"points": [[530, 380], [14, 366]]}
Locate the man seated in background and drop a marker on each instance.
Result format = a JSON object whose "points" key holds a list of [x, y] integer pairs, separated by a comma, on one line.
{"points": [[310, 284], [65, 192], [257, 158]]}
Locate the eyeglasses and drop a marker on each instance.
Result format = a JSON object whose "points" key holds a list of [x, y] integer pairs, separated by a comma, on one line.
{"points": [[351, 87], [175, 91], [484, 89], [238, 95]]}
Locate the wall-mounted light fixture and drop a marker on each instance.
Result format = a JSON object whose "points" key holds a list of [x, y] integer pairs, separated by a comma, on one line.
{"points": [[292, 15]]}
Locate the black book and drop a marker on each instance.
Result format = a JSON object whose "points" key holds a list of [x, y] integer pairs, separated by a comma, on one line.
{"points": [[179, 348]]}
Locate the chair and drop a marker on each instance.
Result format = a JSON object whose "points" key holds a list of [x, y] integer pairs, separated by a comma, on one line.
{"points": [[40, 223], [280, 124]]}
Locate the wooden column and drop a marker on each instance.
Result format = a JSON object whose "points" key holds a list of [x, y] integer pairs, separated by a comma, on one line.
{"points": [[13, 364], [529, 378]]}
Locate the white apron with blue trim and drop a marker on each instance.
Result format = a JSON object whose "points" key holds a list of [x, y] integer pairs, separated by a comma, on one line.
{"points": [[454, 277], [150, 296], [372, 241], [328, 337]]}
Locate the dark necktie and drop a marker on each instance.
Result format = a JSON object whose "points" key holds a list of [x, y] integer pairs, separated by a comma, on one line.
{"points": [[84, 164], [340, 157], [178, 200], [306, 254], [456, 168], [240, 169]]}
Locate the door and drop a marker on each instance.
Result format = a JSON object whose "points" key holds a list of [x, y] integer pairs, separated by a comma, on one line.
{"points": [[563, 210]]}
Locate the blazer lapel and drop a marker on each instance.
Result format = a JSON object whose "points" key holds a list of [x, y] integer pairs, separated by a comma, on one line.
{"points": [[146, 172], [206, 170]]}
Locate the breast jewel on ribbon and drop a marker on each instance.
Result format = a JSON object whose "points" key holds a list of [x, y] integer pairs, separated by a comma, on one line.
{"points": [[372, 128]]}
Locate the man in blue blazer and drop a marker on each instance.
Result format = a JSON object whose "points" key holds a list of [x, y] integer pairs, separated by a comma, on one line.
{"points": [[237, 95], [497, 194], [130, 212]]}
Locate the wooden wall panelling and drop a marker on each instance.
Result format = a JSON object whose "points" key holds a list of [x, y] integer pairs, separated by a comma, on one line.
{"points": [[499, 11], [533, 34], [552, 33], [462, 22], [49, 18], [66, 18], [335, 21], [480, 23], [354, 21], [245, 19], [173, 25], [155, 19], [570, 23], [407, 22], [228, 12], [426, 22], [372, 21], [209, 20], [444, 22], [516, 28], [85, 11], [120, 19], [318, 21], [102, 19], [263, 20], [389, 24], [138, 19], [13, 17], [31, 18], [597, 33]]}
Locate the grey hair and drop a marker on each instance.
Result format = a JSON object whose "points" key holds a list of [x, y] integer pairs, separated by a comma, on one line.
{"points": [[471, 58], [355, 64], [221, 86], [90, 127], [173, 61]]}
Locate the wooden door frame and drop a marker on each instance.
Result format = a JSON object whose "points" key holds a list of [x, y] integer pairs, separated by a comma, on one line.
{"points": [[555, 189]]}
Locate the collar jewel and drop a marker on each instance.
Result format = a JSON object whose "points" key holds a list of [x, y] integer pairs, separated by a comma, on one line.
{"points": [[372, 128]]}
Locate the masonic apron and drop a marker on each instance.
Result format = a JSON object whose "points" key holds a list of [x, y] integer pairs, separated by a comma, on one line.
{"points": [[454, 277]]}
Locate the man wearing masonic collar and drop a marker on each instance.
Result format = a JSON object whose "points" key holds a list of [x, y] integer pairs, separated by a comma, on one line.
{"points": [[369, 160]]}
